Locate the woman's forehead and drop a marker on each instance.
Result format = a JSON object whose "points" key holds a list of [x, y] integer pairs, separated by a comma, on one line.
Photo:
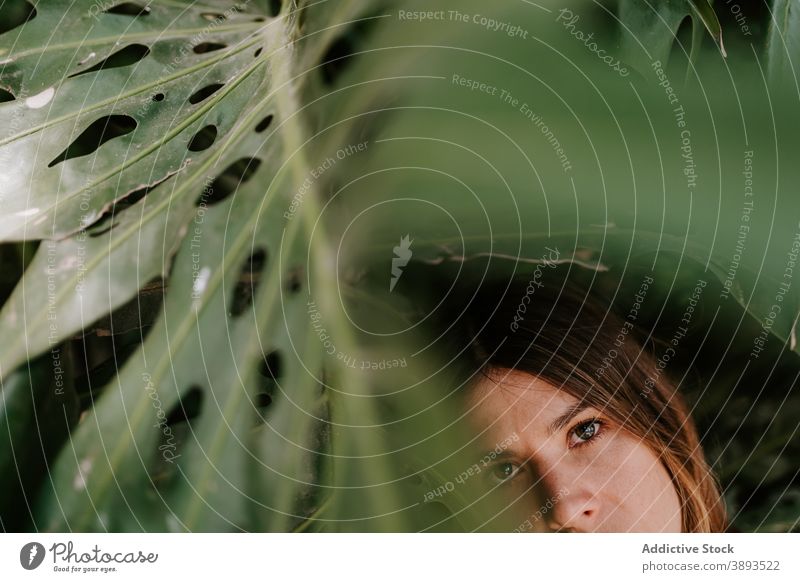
{"points": [[516, 396], [516, 383]]}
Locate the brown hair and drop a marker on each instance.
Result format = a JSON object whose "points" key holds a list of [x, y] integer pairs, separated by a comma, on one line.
{"points": [[572, 341]]}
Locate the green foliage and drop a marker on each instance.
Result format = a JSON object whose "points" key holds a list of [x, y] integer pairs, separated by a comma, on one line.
{"points": [[218, 190], [783, 40], [650, 31]]}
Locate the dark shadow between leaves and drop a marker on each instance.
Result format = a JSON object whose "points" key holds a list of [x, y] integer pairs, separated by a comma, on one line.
{"points": [[224, 185]]}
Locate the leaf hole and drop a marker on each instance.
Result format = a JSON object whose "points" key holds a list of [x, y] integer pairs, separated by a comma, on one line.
{"points": [[258, 52], [174, 429], [6, 96], [129, 55], [264, 123], [263, 399], [187, 409], [129, 9], [238, 173], [270, 369], [205, 93], [208, 47], [14, 13], [247, 283], [274, 7], [203, 139], [272, 366], [99, 132], [158, 97], [294, 280]]}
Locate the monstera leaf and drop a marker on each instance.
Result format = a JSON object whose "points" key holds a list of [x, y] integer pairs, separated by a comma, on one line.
{"points": [[133, 100], [165, 139]]}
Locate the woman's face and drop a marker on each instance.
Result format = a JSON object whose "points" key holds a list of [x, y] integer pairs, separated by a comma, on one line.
{"points": [[596, 475]]}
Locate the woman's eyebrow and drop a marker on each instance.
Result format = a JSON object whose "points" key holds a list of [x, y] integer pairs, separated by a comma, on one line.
{"points": [[568, 415]]}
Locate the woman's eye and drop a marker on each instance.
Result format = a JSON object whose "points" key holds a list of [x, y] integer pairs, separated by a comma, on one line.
{"points": [[584, 432], [503, 472]]}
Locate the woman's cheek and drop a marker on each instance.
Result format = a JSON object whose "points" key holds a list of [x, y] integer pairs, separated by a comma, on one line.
{"points": [[645, 496]]}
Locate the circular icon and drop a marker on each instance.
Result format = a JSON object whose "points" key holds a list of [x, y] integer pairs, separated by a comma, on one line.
{"points": [[31, 555]]}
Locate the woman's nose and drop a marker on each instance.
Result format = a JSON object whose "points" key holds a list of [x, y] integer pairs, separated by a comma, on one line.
{"points": [[571, 505]]}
